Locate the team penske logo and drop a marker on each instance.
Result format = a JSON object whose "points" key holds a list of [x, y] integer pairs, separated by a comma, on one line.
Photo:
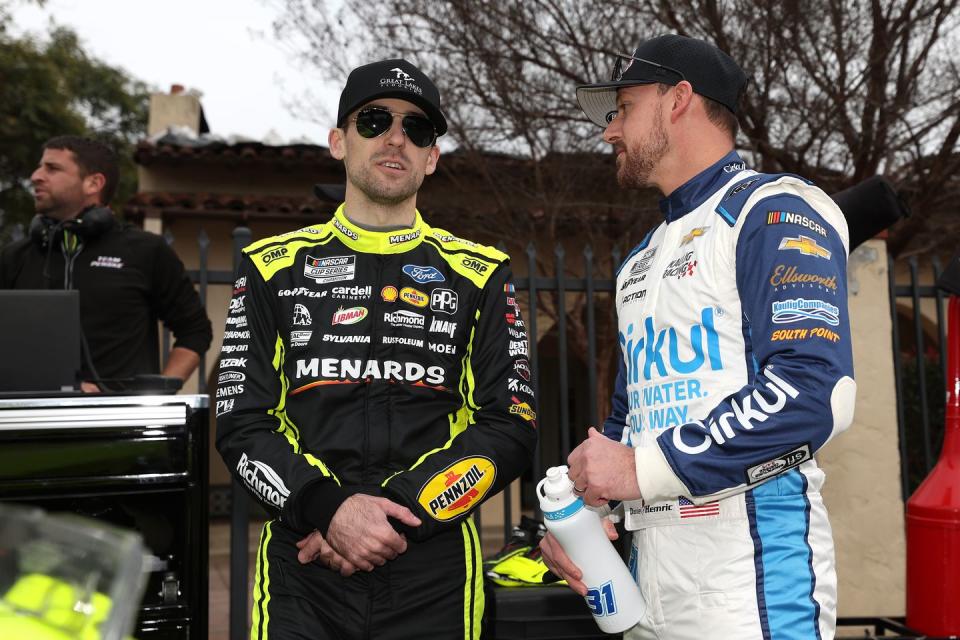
{"points": [[805, 245], [458, 488]]}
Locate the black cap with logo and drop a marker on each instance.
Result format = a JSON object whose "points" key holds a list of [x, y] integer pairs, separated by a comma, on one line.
{"points": [[395, 78], [667, 59]]}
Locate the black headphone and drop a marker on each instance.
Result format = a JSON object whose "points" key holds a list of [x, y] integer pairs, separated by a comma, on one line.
{"points": [[92, 223]]}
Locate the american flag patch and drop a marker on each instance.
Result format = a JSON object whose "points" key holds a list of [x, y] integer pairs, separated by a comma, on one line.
{"points": [[690, 510]]}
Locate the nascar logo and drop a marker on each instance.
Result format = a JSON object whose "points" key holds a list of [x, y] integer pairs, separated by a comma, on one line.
{"points": [[456, 489]]}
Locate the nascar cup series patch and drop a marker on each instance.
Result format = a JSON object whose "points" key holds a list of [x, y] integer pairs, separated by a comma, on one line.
{"points": [[457, 488]]}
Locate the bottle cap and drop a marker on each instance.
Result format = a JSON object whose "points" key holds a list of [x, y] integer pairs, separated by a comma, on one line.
{"points": [[557, 484]]}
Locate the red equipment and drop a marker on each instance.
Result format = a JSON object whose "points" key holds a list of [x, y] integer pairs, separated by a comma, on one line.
{"points": [[933, 517]]}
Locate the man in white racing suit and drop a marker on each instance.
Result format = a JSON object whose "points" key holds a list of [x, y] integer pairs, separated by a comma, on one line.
{"points": [[736, 364]]}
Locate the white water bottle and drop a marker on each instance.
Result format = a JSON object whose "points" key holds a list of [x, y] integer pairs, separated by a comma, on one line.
{"points": [[613, 597]]}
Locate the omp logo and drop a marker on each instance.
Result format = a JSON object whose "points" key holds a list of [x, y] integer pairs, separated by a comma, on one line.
{"points": [[414, 297], [456, 489], [805, 245], [269, 256], [475, 265], [720, 429], [645, 353], [263, 481]]}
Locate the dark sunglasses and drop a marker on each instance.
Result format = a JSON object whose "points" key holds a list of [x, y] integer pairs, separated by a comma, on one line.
{"points": [[624, 62], [376, 121]]}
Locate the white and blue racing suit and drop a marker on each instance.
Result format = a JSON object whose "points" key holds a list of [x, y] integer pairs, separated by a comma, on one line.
{"points": [[736, 369]]}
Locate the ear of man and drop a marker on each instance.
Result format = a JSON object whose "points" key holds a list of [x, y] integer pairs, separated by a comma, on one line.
{"points": [[336, 143]]}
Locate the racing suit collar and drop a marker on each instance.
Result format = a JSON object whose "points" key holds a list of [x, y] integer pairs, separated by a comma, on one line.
{"points": [[697, 189], [367, 241]]}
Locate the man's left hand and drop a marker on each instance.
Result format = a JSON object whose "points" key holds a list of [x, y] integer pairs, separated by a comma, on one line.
{"points": [[315, 547], [603, 470]]}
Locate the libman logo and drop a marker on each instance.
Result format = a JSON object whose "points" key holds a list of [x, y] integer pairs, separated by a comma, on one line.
{"points": [[353, 315], [458, 488], [263, 481]]}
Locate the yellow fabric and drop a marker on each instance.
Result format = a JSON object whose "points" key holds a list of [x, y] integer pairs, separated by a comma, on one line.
{"points": [[57, 604]]}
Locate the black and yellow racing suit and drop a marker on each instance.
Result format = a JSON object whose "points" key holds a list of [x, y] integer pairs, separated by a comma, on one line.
{"points": [[385, 363]]}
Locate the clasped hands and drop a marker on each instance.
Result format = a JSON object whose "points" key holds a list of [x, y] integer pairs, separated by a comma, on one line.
{"points": [[360, 537]]}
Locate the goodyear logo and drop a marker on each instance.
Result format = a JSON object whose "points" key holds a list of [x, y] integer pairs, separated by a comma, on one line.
{"points": [[458, 488], [414, 296]]}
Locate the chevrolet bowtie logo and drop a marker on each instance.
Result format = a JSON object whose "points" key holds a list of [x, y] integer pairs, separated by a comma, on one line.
{"points": [[806, 246], [695, 233]]}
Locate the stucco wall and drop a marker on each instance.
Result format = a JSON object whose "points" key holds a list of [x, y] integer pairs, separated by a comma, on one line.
{"points": [[862, 491]]}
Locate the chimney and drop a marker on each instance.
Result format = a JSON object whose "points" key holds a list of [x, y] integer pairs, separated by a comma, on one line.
{"points": [[177, 108]]}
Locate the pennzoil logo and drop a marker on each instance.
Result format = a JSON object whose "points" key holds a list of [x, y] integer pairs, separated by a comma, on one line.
{"points": [[458, 488], [414, 296]]}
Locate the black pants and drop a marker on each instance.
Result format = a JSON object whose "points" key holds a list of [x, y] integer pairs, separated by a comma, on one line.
{"points": [[433, 590]]}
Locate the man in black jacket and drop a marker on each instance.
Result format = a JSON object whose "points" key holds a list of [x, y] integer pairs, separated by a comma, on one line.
{"points": [[374, 390], [127, 278]]}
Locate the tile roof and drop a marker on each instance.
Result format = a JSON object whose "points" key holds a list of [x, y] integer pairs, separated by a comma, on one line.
{"points": [[166, 151]]}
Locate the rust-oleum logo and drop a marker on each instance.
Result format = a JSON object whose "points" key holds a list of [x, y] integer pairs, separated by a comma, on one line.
{"points": [[458, 488]]}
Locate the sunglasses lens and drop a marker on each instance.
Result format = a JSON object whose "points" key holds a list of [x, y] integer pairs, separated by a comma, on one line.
{"points": [[373, 122], [419, 130]]}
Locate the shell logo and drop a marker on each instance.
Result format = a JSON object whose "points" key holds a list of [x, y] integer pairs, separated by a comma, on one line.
{"points": [[414, 296], [458, 488], [389, 293]]}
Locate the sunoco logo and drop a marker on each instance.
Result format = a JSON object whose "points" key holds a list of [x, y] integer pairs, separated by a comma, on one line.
{"points": [[458, 488], [263, 481]]}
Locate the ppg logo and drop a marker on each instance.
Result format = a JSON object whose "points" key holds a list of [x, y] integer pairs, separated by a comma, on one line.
{"points": [[601, 600], [444, 301]]}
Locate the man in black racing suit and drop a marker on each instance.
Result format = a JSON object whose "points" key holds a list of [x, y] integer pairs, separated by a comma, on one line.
{"points": [[374, 390]]}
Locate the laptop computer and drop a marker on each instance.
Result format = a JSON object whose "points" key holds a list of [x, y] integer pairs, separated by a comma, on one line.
{"points": [[39, 341]]}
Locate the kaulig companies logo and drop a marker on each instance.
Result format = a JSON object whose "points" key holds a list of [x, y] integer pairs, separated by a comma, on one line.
{"points": [[660, 350]]}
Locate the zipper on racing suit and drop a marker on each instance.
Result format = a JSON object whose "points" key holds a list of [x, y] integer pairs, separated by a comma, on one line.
{"points": [[365, 473]]}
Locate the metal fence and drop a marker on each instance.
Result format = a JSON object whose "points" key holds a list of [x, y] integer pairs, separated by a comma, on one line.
{"points": [[919, 375]]}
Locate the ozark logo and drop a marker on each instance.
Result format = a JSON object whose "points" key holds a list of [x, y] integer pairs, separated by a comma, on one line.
{"points": [[458, 488], [475, 265]]}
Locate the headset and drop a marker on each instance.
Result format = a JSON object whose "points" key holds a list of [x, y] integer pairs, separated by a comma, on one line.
{"points": [[92, 223]]}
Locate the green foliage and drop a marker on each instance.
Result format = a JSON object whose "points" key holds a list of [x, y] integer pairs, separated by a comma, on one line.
{"points": [[53, 87]]}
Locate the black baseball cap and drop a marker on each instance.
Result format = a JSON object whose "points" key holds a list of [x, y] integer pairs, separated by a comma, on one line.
{"points": [[667, 59], [394, 78]]}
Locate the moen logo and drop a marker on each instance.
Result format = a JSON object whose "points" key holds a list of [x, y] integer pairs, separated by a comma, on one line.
{"points": [[413, 296], [263, 481], [273, 254], [458, 488], [475, 265]]}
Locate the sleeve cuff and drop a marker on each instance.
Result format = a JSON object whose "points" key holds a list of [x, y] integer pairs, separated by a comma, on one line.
{"points": [[655, 477], [318, 502]]}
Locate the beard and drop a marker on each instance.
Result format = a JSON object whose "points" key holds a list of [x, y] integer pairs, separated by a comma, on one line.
{"points": [[642, 159], [374, 187]]}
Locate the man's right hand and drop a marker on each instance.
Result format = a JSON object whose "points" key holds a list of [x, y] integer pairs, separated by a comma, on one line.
{"points": [[560, 563], [361, 533]]}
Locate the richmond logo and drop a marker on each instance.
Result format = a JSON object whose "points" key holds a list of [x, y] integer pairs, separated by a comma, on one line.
{"points": [[263, 481]]}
